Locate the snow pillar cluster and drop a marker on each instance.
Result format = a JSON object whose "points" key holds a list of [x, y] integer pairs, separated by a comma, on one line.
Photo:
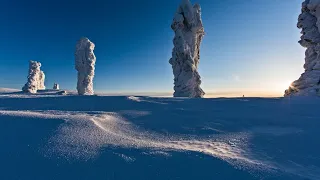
{"points": [[189, 31], [42, 77], [309, 23], [56, 86], [34, 77], [85, 65]]}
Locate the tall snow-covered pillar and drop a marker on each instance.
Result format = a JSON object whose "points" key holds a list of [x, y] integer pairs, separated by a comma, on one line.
{"points": [[33, 77], [42, 78], [85, 65], [309, 21], [189, 31], [56, 86]]}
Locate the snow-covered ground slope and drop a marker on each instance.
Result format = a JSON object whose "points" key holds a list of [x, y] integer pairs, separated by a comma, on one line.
{"points": [[48, 136]]}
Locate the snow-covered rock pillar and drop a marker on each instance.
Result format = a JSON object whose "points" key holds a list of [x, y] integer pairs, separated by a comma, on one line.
{"points": [[189, 31], [309, 21], [85, 65], [56, 86], [33, 77], [42, 78]]}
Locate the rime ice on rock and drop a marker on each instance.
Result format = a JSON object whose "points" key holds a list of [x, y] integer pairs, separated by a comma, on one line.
{"points": [[309, 21], [42, 77], [85, 65], [56, 86], [189, 31], [33, 77]]}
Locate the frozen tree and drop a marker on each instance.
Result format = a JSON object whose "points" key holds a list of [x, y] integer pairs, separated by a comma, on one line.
{"points": [[41, 81], [189, 31], [56, 86], [33, 77], [85, 65], [309, 22]]}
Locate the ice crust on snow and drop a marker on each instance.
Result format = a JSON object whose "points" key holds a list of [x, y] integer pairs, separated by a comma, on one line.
{"points": [[309, 21], [189, 31], [85, 65], [35, 78]]}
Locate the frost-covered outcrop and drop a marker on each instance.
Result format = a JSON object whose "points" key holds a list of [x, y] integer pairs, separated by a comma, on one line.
{"points": [[189, 31], [42, 78], [33, 77], [56, 86], [85, 65], [309, 22]]}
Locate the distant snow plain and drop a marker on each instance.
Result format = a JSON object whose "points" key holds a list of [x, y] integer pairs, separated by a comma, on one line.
{"points": [[50, 136]]}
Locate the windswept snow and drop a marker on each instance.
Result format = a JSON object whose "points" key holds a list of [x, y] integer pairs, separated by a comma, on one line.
{"points": [[271, 138]]}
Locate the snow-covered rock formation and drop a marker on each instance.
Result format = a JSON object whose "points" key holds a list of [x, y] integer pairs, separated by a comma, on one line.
{"points": [[42, 78], [33, 77], [309, 21], [56, 86], [85, 65], [189, 31]]}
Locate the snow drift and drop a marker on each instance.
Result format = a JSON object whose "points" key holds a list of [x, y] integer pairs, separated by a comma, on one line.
{"points": [[157, 138]]}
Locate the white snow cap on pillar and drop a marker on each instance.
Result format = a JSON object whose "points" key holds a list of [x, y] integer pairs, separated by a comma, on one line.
{"points": [[309, 21], [85, 65], [33, 77], [189, 31]]}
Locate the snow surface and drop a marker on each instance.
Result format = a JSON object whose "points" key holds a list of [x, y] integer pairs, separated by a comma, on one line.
{"points": [[49, 136]]}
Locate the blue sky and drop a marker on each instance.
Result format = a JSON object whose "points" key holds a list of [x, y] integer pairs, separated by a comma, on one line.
{"points": [[250, 47]]}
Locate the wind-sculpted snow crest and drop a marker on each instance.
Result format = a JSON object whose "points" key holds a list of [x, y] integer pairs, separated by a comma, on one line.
{"points": [[250, 136], [84, 134]]}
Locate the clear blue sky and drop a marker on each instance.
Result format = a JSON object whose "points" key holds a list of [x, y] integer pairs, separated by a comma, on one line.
{"points": [[249, 46]]}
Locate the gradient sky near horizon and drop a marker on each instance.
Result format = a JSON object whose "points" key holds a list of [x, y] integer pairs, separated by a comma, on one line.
{"points": [[250, 47]]}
